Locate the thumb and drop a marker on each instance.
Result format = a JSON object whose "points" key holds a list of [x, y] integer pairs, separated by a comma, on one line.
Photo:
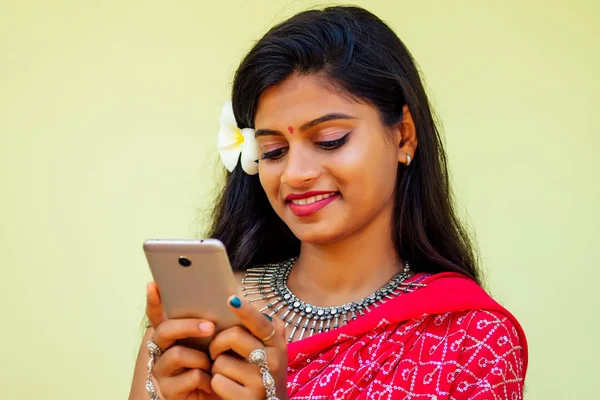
{"points": [[154, 308]]}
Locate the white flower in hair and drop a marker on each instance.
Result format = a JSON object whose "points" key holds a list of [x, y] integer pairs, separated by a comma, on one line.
{"points": [[233, 142]]}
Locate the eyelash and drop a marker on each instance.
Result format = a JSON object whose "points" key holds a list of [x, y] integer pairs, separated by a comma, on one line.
{"points": [[328, 145]]}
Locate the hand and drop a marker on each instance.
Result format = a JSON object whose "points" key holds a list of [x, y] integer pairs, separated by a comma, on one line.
{"points": [[234, 377], [181, 373]]}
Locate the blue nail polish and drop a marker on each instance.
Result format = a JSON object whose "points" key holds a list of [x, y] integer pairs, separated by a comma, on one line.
{"points": [[268, 317], [235, 302]]}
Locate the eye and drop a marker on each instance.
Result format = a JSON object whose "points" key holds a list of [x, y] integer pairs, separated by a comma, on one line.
{"points": [[274, 154], [334, 144]]}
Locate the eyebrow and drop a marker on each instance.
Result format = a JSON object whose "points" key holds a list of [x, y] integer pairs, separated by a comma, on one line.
{"points": [[306, 126]]}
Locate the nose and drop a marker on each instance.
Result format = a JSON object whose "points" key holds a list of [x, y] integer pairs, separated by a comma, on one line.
{"points": [[301, 169]]}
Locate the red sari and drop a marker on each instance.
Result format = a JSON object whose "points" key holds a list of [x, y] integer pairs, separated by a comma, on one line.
{"points": [[448, 340]]}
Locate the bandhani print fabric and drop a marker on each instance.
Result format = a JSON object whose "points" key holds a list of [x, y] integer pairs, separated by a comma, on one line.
{"points": [[448, 340]]}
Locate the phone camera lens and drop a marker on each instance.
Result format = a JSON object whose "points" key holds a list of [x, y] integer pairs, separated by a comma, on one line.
{"points": [[184, 262]]}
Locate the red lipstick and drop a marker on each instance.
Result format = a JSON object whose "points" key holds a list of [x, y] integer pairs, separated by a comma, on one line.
{"points": [[303, 210]]}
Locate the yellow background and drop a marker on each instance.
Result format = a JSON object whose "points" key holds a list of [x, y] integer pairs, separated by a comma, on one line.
{"points": [[108, 119]]}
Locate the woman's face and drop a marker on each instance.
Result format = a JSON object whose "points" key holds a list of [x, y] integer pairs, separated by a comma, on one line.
{"points": [[328, 165]]}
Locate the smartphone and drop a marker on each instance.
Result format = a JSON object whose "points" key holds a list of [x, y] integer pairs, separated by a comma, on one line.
{"points": [[195, 280]]}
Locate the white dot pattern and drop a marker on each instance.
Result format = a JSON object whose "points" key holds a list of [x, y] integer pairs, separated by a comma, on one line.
{"points": [[459, 355]]}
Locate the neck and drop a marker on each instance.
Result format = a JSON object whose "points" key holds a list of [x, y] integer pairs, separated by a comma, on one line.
{"points": [[348, 269]]}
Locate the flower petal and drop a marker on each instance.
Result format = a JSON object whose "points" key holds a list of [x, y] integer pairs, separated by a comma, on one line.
{"points": [[230, 156], [227, 116], [228, 137], [249, 152]]}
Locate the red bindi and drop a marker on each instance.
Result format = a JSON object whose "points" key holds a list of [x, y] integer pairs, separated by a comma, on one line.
{"points": [[291, 130]]}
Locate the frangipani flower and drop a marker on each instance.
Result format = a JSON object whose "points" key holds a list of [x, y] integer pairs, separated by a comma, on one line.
{"points": [[233, 142]]}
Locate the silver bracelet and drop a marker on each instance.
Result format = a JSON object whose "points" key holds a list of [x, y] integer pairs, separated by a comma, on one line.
{"points": [[259, 357], [155, 352]]}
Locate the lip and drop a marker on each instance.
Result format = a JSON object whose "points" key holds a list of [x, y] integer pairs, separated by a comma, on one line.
{"points": [[304, 210], [298, 196]]}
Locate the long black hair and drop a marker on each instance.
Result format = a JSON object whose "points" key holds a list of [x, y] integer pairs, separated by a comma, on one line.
{"points": [[362, 56]]}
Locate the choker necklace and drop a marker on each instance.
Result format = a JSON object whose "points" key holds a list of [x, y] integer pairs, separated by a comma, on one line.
{"points": [[269, 281]]}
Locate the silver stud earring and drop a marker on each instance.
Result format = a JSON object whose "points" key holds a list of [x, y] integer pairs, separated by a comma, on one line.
{"points": [[407, 160]]}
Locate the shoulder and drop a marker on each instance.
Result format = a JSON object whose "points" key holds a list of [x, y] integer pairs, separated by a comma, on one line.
{"points": [[476, 325], [493, 328], [479, 336], [484, 339], [485, 349], [472, 306]]}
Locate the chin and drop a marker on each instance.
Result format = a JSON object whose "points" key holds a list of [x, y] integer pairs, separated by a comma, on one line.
{"points": [[317, 238], [319, 233]]}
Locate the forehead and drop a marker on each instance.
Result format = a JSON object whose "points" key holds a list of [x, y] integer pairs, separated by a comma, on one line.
{"points": [[300, 98]]}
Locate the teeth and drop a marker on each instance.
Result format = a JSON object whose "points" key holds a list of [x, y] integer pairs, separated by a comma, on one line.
{"points": [[310, 200]]}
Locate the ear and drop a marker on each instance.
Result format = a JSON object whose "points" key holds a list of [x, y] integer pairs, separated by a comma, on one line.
{"points": [[406, 137]]}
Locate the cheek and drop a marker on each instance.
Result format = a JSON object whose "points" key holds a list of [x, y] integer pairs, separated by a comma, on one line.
{"points": [[269, 180], [366, 167]]}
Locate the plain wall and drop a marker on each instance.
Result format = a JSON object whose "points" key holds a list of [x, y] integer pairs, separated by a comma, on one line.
{"points": [[108, 119]]}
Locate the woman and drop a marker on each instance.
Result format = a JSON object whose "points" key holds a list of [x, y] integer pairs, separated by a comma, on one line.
{"points": [[351, 208]]}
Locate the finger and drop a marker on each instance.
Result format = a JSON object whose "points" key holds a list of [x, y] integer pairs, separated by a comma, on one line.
{"points": [[235, 338], [260, 325], [280, 335], [178, 358], [228, 389], [185, 383], [239, 371], [171, 330], [154, 308]]}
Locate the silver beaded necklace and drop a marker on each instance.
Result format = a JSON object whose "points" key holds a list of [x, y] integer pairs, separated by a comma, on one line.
{"points": [[270, 282]]}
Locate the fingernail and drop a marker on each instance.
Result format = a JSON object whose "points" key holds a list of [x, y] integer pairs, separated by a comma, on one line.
{"points": [[205, 327], [268, 317], [235, 302]]}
